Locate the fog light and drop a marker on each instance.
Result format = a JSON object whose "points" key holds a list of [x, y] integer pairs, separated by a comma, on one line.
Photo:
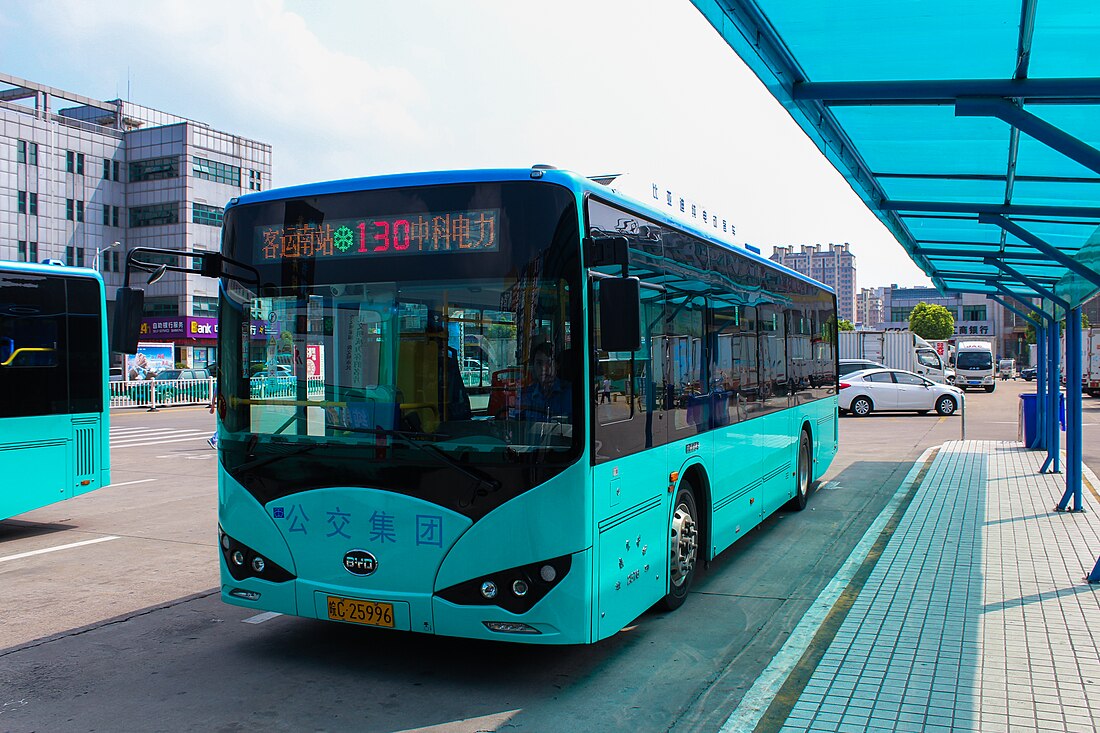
{"points": [[225, 541], [547, 573], [489, 589], [248, 595], [238, 558], [258, 564], [520, 588], [510, 627]]}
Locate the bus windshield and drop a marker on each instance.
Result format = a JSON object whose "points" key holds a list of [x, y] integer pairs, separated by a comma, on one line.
{"points": [[424, 346]]}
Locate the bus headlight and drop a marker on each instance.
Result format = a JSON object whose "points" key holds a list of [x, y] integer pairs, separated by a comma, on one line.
{"points": [[244, 562], [528, 583]]}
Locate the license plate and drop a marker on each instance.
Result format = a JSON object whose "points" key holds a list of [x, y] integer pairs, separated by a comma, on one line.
{"points": [[975, 381], [369, 613]]}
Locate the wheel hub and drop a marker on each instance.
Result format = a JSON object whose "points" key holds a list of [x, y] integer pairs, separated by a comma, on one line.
{"points": [[684, 545]]}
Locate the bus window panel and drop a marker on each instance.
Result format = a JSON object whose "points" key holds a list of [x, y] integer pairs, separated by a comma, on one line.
{"points": [[732, 388], [800, 354], [85, 346], [773, 359], [34, 375], [684, 383], [631, 418]]}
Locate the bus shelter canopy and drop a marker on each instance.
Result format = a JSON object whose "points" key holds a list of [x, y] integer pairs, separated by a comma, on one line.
{"points": [[971, 130]]}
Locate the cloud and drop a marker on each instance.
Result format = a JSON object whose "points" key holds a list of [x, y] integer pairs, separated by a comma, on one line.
{"points": [[254, 68]]}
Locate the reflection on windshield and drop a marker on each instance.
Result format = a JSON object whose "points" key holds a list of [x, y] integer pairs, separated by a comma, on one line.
{"points": [[479, 366], [974, 360]]}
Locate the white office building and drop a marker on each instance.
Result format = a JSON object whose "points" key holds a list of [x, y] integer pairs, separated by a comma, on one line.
{"points": [[78, 175]]}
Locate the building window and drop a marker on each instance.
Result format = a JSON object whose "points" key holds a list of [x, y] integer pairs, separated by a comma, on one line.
{"points": [[26, 152], [74, 256], [21, 202], [203, 306], [117, 257], [217, 172], [203, 214], [106, 169], [154, 169], [155, 215], [70, 209], [254, 181], [161, 307], [110, 216], [74, 162], [900, 314], [973, 313], [28, 251]]}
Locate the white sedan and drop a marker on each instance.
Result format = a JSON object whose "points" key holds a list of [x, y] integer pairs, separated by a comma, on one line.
{"points": [[862, 393]]}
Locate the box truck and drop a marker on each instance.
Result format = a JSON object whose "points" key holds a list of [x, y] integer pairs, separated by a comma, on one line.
{"points": [[974, 364], [1090, 365], [895, 349]]}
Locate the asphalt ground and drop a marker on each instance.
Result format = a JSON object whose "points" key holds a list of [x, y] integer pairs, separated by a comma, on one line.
{"points": [[129, 633]]}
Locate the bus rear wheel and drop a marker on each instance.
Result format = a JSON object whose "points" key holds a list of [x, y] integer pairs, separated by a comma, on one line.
{"points": [[802, 474], [683, 549]]}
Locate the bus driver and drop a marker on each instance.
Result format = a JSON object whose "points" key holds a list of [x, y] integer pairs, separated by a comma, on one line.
{"points": [[547, 397]]}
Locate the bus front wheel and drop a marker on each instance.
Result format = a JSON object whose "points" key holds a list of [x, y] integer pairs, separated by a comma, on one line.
{"points": [[683, 549]]}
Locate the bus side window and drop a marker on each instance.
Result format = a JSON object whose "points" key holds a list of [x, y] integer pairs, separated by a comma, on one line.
{"points": [[630, 418]]}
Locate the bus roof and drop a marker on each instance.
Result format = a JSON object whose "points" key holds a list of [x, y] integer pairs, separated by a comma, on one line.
{"points": [[42, 268], [564, 178]]}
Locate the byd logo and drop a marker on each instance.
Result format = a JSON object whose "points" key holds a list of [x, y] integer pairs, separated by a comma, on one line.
{"points": [[360, 562]]}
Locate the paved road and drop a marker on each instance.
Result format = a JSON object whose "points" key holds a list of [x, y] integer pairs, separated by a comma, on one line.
{"points": [[127, 634]]}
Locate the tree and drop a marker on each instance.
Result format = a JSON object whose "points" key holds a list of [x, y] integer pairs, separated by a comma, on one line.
{"points": [[845, 325], [931, 321], [1029, 332]]}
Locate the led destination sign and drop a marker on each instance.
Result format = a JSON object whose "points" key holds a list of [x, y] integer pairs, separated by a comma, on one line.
{"points": [[473, 230]]}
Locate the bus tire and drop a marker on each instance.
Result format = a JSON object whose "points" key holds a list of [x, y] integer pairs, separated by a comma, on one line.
{"points": [[803, 473], [683, 548]]}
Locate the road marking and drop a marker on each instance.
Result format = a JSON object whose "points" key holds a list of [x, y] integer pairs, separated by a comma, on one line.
{"points": [[200, 436], [261, 617], [59, 547], [127, 483], [756, 701]]}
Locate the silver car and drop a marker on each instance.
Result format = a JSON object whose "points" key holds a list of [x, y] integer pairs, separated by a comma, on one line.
{"points": [[864, 392]]}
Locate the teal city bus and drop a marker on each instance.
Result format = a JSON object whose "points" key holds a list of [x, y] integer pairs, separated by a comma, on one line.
{"points": [[503, 404], [54, 428]]}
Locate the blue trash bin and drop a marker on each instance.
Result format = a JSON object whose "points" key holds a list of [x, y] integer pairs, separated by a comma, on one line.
{"points": [[1031, 419]]}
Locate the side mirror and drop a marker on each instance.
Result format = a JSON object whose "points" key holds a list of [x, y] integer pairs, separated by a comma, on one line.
{"points": [[126, 325], [620, 322]]}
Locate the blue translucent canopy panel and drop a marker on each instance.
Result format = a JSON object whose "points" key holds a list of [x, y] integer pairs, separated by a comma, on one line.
{"points": [[918, 104]]}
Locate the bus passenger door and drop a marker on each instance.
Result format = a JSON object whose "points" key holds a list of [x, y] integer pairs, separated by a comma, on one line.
{"points": [[629, 476]]}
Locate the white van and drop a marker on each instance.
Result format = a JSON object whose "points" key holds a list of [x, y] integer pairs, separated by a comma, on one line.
{"points": [[974, 365]]}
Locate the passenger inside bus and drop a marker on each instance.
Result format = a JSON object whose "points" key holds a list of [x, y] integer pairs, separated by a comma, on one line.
{"points": [[547, 397]]}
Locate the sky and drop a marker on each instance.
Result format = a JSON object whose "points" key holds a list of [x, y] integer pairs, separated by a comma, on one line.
{"points": [[341, 89]]}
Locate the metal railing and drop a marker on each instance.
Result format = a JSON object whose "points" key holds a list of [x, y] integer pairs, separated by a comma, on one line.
{"points": [[154, 394]]}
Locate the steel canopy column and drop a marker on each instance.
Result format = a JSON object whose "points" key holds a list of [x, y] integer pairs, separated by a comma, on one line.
{"points": [[1073, 412], [1042, 412], [1040, 337], [1054, 388]]}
